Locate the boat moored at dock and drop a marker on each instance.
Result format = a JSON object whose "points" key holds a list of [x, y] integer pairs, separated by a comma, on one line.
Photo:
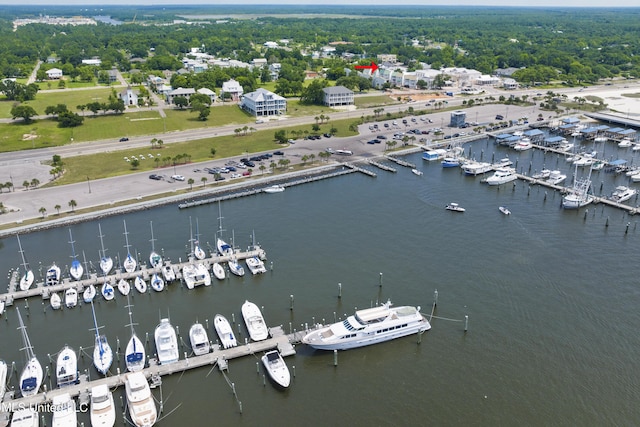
{"points": [[255, 322], [276, 368], [166, 342], [102, 409], [142, 408], [199, 339], [66, 367], [223, 328]]}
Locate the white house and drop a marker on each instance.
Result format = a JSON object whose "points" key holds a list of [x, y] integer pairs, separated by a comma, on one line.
{"points": [[54, 74], [208, 92], [94, 61], [185, 92], [233, 88], [337, 95], [263, 103]]}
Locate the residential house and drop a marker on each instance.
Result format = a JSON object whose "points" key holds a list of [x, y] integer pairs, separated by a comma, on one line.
{"points": [[337, 95], [208, 92], [54, 74], [185, 92], [263, 103], [233, 89]]}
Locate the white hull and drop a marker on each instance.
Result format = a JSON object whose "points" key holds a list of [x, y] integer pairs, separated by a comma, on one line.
{"points": [[64, 411], [25, 417], [142, 408], [199, 339], [106, 265], [416, 172], [135, 354], [102, 354], [573, 201], [223, 328], [31, 378], [140, 284], [218, 271], [89, 294], [224, 249], [556, 177], [504, 210], [235, 268], [255, 264], [107, 291], [199, 253], [622, 194], [157, 284], [166, 342], [255, 322], [277, 368], [168, 274], [52, 277], [26, 280], [196, 275], [130, 264], [476, 168], [124, 287], [155, 260], [55, 301], [3, 378], [102, 410], [367, 327], [274, 189], [76, 270], [71, 298], [502, 176], [66, 367]]}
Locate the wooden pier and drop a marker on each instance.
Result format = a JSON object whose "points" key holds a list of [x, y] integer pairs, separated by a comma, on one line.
{"points": [[382, 166]]}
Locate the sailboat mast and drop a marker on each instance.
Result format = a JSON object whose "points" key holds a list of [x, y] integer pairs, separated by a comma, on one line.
{"points": [[73, 249], [152, 239], [24, 261], [101, 242], [25, 337], [126, 237], [191, 236]]}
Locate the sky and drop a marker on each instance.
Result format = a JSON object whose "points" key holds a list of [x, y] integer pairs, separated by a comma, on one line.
{"points": [[526, 3]]}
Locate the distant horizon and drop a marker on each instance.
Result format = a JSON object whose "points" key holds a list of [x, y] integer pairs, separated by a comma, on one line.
{"points": [[613, 4]]}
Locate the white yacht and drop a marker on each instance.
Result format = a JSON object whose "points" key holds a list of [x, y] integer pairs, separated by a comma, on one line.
{"points": [[71, 297], [235, 267], [166, 342], [502, 176], [76, 270], [224, 330], [255, 264], [103, 410], [27, 278], [623, 193], [55, 301], [129, 263], [106, 263], [199, 339], [369, 326], [142, 408], [3, 378], [168, 273], [625, 143], [66, 367], [196, 274], [543, 174], [556, 177], [523, 145], [218, 271], [276, 368], [32, 374], [277, 188], [64, 411], [52, 277], [102, 353], [157, 283], [476, 168], [255, 322], [89, 293], [579, 195], [224, 249], [502, 163], [454, 207], [25, 417]]}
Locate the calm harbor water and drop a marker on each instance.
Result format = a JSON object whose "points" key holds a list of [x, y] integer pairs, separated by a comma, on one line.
{"points": [[551, 296]]}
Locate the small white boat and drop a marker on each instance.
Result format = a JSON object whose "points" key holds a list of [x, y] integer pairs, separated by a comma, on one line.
{"points": [[166, 343], [157, 284], [255, 264], [502, 163], [543, 174], [55, 301], [199, 339], [224, 249], [474, 168], [597, 165], [106, 263], [102, 410], [107, 291], [32, 373], [89, 293], [142, 408], [134, 354], [102, 353], [129, 263], [523, 145], [454, 207], [504, 210], [625, 143], [66, 367], [2, 305], [276, 368], [635, 147], [64, 411], [224, 330], [416, 172], [71, 297], [3, 378], [76, 269], [235, 267], [502, 176], [140, 284], [124, 287], [198, 252], [218, 271], [155, 259], [277, 188], [636, 177], [25, 417], [623, 193], [168, 273], [26, 280], [556, 177], [255, 322], [52, 277]]}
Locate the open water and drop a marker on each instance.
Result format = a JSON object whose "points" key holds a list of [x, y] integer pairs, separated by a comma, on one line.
{"points": [[552, 298]]}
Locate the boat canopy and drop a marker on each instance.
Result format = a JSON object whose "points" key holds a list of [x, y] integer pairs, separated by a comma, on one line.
{"points": [[375, 314]]}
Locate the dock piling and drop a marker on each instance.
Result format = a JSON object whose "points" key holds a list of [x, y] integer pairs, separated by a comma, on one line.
{"points": [[264, 380], [466, 323], [291, 304], [435, 297], [339, 290], [381, 279], [335, 357]]}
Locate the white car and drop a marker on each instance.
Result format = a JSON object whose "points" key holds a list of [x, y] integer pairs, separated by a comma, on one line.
{"points": [[177, 177], [235, 175]]}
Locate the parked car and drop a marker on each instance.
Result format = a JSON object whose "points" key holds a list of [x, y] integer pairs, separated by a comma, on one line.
{"points": [[246, 173], [177, 177], [278, 153], [123, 139], [154, 176], [499, 117]]}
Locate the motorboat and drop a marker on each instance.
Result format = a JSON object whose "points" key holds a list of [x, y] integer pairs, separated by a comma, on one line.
{"points": [[505, 162], [56, 301], [636, 177], [26, 280], [504, 210], [157, 282], [166, 342], [102, 353], [369, 326], [235, 267], [76, 270], [579, 195], [543, 174], [276, 368], [155, 259], [623, 193], [450, 162], [26, 416], [502, 176], [134, 354], [416, 172], [71, 297], [218, 271], [106, 262], [556, 177], [584, 161], [52, 276], [255, 322], [625, 143], [168, 274], [130, 262], [89, 293], [255, 264], [102, 408], [2, 305], [224, 330], [142, 408], [199, 339], [454, 207], [635, 147], [124, 287], [32, 374], [66, 367], [196, 274], [597, 165], [277, 188], [3, 378], [107, 291], [64, 411], [476, 168], [523, 145], [140, 284]]}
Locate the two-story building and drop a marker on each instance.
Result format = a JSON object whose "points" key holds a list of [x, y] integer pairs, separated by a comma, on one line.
{"points": [[337, 96], [231, 89], [54, 74], [184, 92], [263, 103]]}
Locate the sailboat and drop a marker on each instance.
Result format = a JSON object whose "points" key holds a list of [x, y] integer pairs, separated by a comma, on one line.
{"points": [[32, 375], [195, 273], [76, 269], [107, 290], [198, 252], [157, 282], [124, 287], [223, 248], [129, 263], [106, 263], [27, 278], [134, 355], [102, 354], [140, 284], [89, 293], [154, 258], [3, 378]]}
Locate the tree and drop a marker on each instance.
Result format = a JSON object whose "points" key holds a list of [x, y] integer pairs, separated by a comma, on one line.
{"points": [[313, 94], [72, 204], [23, 111], [280, 136], [213, 152], [135, 163], [180, 101], [57, 208], [190, 181], [68, 119], [35, 182], [42, 211], [203, 180], [25, 184]]}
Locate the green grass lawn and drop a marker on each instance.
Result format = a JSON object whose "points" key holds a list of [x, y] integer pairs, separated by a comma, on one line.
{"points": [[71, 98]]}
